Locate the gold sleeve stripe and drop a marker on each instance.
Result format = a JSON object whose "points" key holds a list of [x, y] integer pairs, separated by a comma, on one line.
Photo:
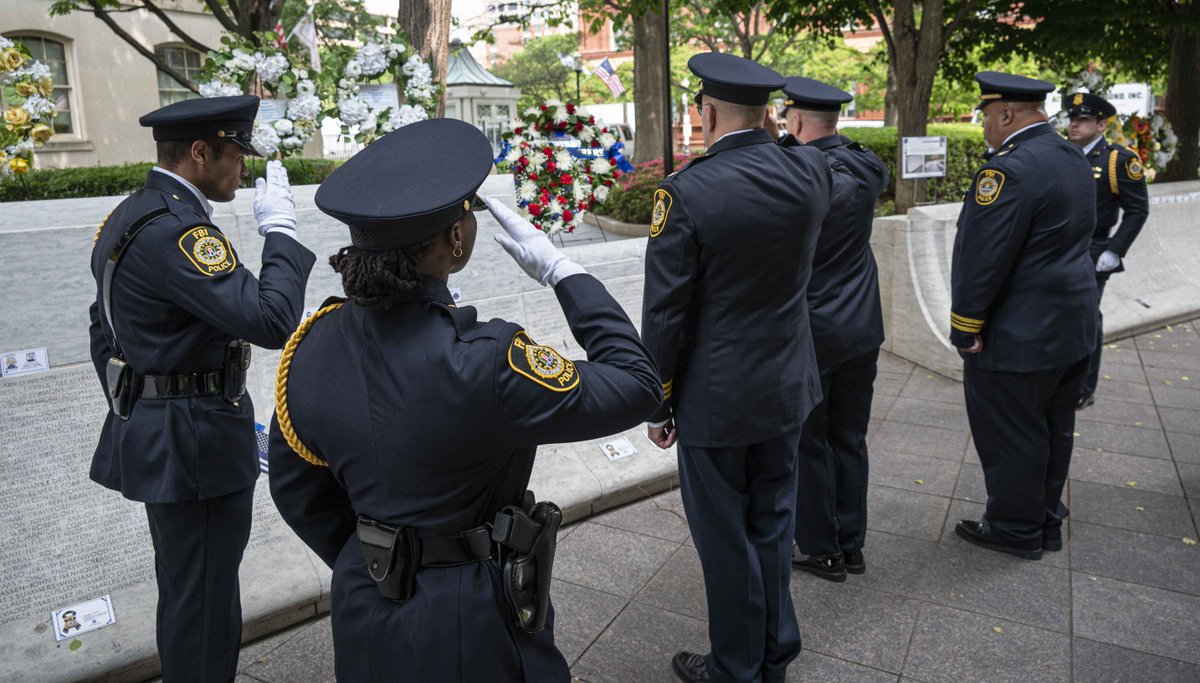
{"points": [[1112, 173], [667, 388], [281, 381], [964, 324]]}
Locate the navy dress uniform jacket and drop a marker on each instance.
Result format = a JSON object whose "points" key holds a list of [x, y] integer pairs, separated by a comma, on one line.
{"points": [[429, 418], [843, 294], [1021, 274], [724, 312], [179, 295], [1120, 189]]}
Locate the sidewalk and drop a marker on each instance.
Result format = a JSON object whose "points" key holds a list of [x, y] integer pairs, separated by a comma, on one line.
{"points": [[1121, 602]]}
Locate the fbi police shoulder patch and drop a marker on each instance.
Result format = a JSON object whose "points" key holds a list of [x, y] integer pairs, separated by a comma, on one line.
{"points": [[1134, 168], [208, 250], [988, 186], [542, 364], [662, 207]]}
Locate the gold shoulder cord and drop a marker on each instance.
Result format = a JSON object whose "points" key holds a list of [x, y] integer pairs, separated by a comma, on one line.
{"points": [[97, 237], [1112, 173], [281, 381]]}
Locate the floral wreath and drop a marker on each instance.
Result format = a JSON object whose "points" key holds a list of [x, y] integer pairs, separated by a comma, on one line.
{"points": [[369, 64], [230, 70], [27, 121], [1152, 139], [562, 164]]}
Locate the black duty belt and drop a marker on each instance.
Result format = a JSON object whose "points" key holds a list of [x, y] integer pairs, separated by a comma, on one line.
{"points": [[472, 545], [196, 384]]}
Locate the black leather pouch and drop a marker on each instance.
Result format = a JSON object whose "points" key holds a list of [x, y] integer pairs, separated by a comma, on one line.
{"points": [[123, 387], [393, 556]]}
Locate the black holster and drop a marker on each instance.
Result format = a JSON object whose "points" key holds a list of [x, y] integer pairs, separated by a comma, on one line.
{"points": [[124, 386], [393, 556], [237, 363], [527, 540]]}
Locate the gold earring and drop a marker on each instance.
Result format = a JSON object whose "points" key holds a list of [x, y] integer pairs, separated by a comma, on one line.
{"points": [[457, 253]]}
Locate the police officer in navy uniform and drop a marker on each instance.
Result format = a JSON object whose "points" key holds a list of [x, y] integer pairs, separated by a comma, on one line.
{"points": [[1023, 296], [1120, 190], [175, 320], [847, 328], [406, 428], [725, 316]]}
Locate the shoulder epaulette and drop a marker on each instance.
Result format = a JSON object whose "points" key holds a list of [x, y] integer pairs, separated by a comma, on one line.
{"points": [[282, 415]]}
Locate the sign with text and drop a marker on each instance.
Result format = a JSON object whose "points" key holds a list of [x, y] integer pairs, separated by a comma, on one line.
{"points": [[1131, 98], [23, 362], [86, 616], [270, 111], [923, 157], [380, 95]]}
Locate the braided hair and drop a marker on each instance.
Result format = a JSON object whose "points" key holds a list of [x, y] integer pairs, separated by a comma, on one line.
{"points": [[381, 278]]}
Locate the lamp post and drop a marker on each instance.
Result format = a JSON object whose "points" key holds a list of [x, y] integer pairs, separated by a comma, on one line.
{"points": [[668, 134], [577, 67]]}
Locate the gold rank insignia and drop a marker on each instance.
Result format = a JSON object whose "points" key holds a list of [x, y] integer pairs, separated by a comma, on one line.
{"points": [[988, 186], [542, 364], [208, 250], [662, 207], [1134, 168]]}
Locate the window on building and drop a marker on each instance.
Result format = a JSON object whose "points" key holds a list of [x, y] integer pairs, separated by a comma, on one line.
{"points": [[187, 62], [54, 55]]}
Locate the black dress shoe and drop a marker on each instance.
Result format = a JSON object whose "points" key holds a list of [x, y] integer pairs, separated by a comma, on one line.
{"points": [[855, 564], [1085, 402], [690, 667], [982, 535], [828, 567], [1052, 539]]}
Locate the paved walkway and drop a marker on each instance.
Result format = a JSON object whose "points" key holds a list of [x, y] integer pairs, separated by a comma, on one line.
{"points": [[1121, 602]]}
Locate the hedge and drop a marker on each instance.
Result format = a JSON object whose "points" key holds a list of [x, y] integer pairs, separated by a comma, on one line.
{"points": [[106, 181], [632, 195]]}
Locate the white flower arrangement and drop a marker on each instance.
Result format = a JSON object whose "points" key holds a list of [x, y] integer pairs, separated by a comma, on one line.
{"points": [[564, 160], [28, 117], [371, 61], [601, 166]]}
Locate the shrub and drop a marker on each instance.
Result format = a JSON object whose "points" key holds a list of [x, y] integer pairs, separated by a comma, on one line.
{"points": [[106, 181], [964, 155]]}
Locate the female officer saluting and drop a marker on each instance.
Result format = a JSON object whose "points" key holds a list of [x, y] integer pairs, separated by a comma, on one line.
{"points": [[405, 429]]}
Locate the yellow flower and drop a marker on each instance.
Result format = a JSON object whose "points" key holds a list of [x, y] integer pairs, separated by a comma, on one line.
{"points": [[26, 89], [18, 165], [16, 116], [10, 59], [41, 133], [46, 86]]}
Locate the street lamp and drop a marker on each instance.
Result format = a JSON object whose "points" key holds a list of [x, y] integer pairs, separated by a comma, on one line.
{"points": [[573, 62]]}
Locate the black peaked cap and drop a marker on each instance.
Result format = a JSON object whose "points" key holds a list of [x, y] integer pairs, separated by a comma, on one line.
{"points": [[813, 95], [1087, 104], [408, 185], [996, 86], [230, 118], [734, 79]]}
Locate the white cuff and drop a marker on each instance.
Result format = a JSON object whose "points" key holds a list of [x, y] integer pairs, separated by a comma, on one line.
{"points": [[656, 425], [563, 270], [280, 229]]}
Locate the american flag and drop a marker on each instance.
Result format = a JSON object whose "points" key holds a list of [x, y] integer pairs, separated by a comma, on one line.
{"points": [[280, 39], [605, 72], [264, 441]]}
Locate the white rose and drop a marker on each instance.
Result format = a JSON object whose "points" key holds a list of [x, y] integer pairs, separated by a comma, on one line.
{"points": [[353, 69], [283, 127]]}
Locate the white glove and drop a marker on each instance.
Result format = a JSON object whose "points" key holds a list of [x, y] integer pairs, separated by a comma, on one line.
{"points": [[274, 206], [1107, 261], [530, 247]]}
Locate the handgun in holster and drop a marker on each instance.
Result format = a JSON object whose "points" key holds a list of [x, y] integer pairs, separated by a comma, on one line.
{"points": [[237, 362], [393, 555], [527, 537], [124, 386]]}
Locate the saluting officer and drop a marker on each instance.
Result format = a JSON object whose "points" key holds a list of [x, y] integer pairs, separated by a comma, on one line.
{"points": [[175, 313], [406, 428], [725, 317], [1023, 314], [1120, 187], [847, 328]]}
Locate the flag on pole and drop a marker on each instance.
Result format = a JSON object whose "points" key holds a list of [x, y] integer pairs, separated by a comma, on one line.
{"points": [[306, 32], [605, 72], [280, 40]]}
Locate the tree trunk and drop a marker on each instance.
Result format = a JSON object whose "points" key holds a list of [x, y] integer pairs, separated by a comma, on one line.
{"points": [[649, 73], [889, 98], [914, 55], [258, 15], [1183, 105], [427, 23]]}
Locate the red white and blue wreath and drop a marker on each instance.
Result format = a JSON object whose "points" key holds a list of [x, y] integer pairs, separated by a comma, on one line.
{"points": [[562, 162]]}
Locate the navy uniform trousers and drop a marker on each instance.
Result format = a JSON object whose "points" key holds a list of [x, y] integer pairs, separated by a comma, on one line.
{"points": [[1093, 372], [1023, 424], [833, 458], [745, 492], [198, 547]]}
